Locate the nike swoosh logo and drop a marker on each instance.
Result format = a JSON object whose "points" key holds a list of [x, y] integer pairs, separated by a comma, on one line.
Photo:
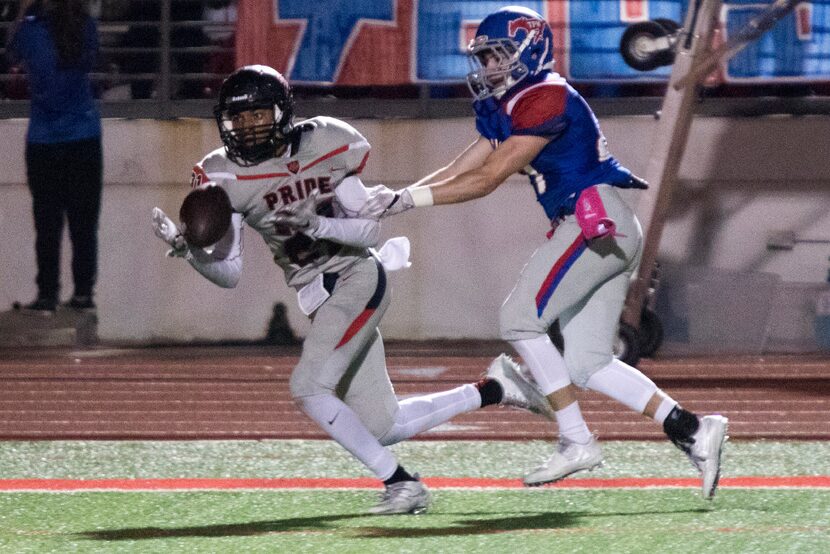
{"points": [[335, 417]]}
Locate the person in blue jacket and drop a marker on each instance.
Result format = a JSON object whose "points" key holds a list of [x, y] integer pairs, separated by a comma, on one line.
{"points": [[56, 42]]}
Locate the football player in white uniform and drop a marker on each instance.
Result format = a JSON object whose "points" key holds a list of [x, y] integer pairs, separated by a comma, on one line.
{"points": [[298, 186]]}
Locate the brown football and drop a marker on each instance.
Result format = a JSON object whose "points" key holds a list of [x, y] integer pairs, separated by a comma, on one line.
{"points": [[205, 216]]}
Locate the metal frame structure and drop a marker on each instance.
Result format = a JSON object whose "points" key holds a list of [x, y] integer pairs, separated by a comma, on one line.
{"points": [[693, 61]]}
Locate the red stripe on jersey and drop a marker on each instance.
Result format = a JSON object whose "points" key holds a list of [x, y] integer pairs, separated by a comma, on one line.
{"points": [[340, 150], [324, 157], [356, 326], [539, 105], [261, 176]]}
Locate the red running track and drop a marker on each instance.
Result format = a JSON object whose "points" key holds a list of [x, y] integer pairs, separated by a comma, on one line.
{"points": [[242, 393]]}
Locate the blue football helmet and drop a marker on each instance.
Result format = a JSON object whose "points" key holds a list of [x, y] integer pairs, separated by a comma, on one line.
{"points": [[510, 44]]}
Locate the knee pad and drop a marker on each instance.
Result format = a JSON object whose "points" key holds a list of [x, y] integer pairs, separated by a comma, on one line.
{"points": [[624, 384], [582, 365]]}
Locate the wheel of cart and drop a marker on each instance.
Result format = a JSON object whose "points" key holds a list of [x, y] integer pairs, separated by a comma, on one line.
{"points": [[648, 45]]}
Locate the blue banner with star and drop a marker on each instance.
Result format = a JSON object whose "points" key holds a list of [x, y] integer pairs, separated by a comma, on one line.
{"points": [[391, 42]]}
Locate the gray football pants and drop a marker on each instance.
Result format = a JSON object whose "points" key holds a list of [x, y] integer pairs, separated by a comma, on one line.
{"points": [[343, 352], [581, 283]]}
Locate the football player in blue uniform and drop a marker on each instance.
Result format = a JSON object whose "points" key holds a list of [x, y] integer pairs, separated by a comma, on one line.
{"points": [[531, 121]]}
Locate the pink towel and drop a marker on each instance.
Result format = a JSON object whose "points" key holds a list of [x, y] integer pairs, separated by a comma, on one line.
{"points": [[591, 216]]}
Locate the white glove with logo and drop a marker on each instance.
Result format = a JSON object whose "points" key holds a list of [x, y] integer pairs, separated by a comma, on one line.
{"points": [[166, 230], [384, 202]]}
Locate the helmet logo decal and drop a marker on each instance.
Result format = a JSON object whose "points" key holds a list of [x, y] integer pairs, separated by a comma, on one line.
{"points": [[528, 24], [293, 166]]}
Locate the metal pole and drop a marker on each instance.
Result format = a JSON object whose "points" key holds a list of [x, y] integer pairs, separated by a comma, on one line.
{"points": [[165, 88], [750, 32], [667, 148]]}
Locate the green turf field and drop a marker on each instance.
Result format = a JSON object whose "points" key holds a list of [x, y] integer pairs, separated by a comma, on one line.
{"points": [[515, 521]]}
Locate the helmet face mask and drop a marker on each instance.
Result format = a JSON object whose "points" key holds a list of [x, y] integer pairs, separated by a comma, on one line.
{"points": [[255, 114], [494, 67], [510, 45]]}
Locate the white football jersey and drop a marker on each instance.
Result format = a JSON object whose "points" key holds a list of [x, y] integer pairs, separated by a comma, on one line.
{"points": [[325, 151]]}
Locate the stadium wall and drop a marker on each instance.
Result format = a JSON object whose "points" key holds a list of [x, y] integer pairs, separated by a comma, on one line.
{"points": [[742, 180]]}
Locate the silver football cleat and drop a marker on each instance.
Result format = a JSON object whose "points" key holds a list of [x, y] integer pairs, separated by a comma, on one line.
{"points": [[705, 452], [403, 497], [569, 458], [518, 391]]}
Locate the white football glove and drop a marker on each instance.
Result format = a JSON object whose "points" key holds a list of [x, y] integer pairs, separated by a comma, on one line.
{"points": [[384, 202], [301, 216], [166, 230]]}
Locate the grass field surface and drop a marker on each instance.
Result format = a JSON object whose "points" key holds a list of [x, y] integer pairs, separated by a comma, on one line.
{"points": [[553, 519]]}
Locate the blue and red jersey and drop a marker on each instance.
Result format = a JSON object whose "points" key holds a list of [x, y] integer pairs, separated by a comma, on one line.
{"points": [[576, 156]]}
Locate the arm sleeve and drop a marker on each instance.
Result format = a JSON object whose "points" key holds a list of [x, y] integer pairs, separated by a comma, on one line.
{"points": [[350, 196], [223, 265], [352, 232]]}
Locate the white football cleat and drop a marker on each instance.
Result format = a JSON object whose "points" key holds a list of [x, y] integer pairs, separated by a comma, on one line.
{"points": [[403, 497], [569, 458], [705, 452], [518, 391]]}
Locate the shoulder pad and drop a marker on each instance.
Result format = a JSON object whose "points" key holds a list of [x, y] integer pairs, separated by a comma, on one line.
{"points": [[334, 128], [539, 110], [323, 137], [214, 167]]}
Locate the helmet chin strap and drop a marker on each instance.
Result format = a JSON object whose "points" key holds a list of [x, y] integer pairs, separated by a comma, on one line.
{"points": [[281, 151]]}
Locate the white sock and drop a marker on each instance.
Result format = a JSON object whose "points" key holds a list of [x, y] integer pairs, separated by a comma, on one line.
{"points": [[664, 409], [572, 426], [342, 424], [545, 363], [420, 413], [624, 384]]}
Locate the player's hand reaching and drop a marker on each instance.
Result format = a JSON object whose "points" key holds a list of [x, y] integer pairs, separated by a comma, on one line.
{"points": [[301, 216], [166, 230], [384, 202]]}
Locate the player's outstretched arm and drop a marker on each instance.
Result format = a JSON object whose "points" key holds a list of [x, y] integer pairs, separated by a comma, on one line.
{"points": [[222, 266], [487, 169], [472, 157], [510, 157], [383, 201]]}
